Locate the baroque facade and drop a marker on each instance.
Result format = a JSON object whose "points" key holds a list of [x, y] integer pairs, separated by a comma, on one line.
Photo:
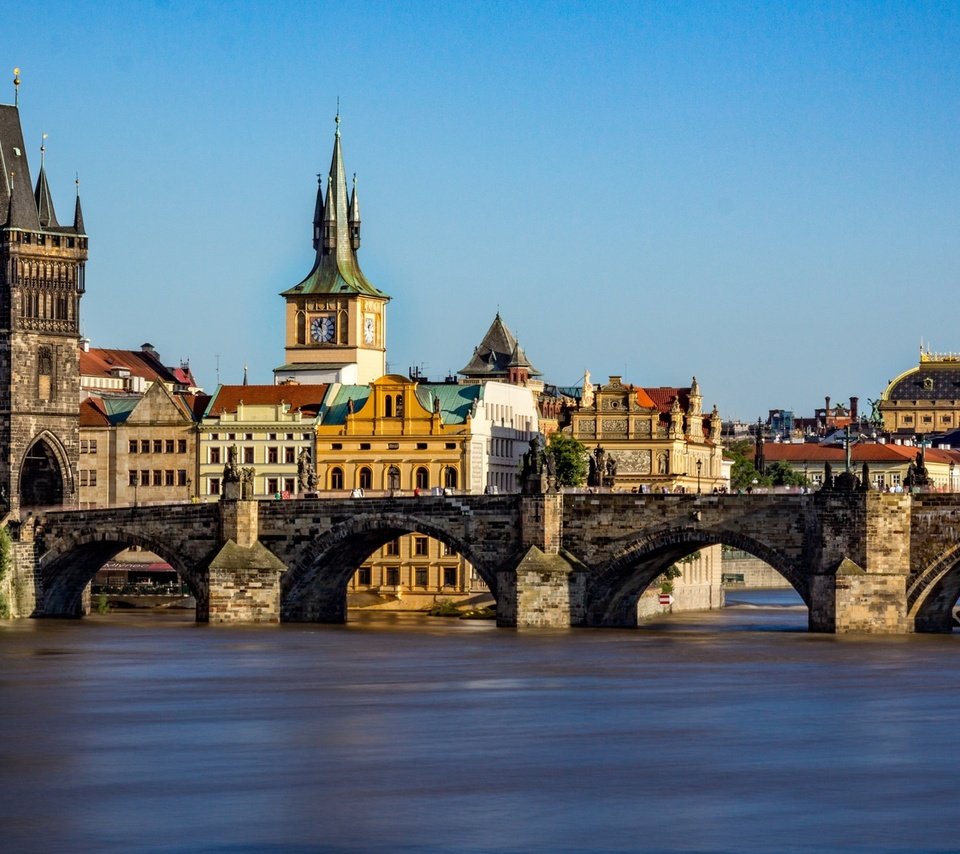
{"points": [[650, 439]]}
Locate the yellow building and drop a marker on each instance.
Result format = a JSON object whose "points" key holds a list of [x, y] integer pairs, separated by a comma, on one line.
{"points": [[925, 398], [398, 436]]}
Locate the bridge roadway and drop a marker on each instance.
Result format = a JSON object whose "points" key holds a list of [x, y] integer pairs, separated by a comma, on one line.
{"points": [[862, 562]]}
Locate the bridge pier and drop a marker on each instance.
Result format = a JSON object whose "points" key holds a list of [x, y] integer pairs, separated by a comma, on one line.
{"points": [[547, 588], [244, 576], [860, 576]]}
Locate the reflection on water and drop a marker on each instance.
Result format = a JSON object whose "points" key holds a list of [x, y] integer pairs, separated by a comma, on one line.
{"points": [[404, 733]]}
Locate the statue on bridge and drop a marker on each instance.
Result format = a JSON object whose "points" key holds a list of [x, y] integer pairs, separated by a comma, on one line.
{"points": [[917, 475], [538, 469], [231, 471]]}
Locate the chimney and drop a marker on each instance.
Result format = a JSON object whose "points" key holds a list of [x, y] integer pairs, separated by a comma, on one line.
{"points": [[85, 345], [854, 406], [826, 411]]}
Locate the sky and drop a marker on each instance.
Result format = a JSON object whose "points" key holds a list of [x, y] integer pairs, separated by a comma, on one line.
{"points": [[763, 195]]}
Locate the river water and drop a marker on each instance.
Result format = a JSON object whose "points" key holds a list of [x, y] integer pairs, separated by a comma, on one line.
{"points": [[724, 731]]}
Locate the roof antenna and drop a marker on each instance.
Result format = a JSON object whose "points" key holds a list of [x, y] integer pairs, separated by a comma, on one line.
{"points": [[16, 87]]}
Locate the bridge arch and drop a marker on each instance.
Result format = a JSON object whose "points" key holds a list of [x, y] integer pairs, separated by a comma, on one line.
{"points": [[314, 589], [615, 588], [65, 570], [934, 591]]}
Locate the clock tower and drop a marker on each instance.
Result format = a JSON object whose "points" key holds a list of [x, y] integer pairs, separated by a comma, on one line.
{"points": [[335, 319]]}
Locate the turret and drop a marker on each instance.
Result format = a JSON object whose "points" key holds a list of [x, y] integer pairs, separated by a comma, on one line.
{"points": [[45, 211], [318, 215], [354, 216]]}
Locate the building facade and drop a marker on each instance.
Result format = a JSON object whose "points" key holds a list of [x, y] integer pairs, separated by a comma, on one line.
{"points": [[924, 399], [42, 280], [651, 439]]}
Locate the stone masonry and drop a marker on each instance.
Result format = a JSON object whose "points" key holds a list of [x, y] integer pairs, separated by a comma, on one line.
{"points": [[862, 562]]}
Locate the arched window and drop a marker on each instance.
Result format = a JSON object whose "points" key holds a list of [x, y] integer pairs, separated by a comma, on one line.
{"points": [[423, 478], [450, 477], [388, 406], [393, 478], [366, 478], [301, 328], [336, 478]]}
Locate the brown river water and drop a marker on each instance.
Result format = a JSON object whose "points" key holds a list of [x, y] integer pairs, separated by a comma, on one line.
{"points": [[724, 731]]}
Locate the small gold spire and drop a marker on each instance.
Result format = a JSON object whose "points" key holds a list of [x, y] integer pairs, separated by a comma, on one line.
{"points": [[16, 87]]}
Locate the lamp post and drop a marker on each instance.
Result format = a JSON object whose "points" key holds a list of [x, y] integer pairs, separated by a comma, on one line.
{"points": [[699, 466]]}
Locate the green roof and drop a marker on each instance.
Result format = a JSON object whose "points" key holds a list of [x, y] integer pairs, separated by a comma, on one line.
{"points": [[118, 409], [456, 401], [335, 411]]}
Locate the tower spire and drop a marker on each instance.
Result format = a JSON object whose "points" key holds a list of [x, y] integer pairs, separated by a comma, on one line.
{"points": [[77, 212], [45, 211], [354, 216]]}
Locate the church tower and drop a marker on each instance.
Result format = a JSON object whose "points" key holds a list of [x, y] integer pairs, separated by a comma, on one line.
{"points": [[335, 319], [41, 283]]}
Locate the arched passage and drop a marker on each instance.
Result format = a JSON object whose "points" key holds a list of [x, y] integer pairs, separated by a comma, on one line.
{"points": [[613, 592], [41, 480], [933, 593], [315, 588], [65, 573]]}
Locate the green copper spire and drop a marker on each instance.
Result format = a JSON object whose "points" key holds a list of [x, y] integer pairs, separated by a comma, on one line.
{"points": [[336, 269]]}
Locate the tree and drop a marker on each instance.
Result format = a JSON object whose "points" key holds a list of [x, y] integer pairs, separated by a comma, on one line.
{"points": [[570, 457]]}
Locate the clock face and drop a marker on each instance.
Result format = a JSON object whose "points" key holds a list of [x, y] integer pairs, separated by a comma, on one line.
{"points": [[368, 330], [322, 329]]}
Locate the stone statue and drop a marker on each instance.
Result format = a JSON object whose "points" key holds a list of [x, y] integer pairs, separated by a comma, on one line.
{"points": [[231, 471], [436, 405], [917, 472], [350, 406], [611, 466], [303, 469], [247, 474], [663, 463], [533, 459]]}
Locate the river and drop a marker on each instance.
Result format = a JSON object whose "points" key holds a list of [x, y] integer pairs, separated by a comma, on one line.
{"points": [[724, 731]]}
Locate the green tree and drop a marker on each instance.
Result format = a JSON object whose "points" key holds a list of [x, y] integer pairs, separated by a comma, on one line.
{"points": [[570, 457], [780, 474]]}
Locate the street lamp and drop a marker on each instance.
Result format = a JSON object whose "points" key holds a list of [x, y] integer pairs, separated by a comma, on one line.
{"points": [[699, 466]]}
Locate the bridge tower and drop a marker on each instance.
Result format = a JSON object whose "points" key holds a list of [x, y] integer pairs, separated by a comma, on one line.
{"points": [[41, 283]]}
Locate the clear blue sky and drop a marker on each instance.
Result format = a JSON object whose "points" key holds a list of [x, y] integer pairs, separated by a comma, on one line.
{"points": [[765, 195]]}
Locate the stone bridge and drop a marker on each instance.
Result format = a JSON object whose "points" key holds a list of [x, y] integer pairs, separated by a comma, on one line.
{"points": [[862, 562]]}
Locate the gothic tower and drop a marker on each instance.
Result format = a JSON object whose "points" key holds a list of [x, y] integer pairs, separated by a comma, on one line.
{"points": [[335, 319], [41, 283]]}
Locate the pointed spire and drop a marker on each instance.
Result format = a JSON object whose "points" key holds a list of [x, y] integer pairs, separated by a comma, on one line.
{"points": [[318, 214], [45, 211], [78, 212], [354, 216], [245, 382], [336, 236]]}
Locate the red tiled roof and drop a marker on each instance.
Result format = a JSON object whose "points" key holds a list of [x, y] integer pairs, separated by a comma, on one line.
{"points": [[865, 452], [663, 396], [98, 362], [306, 398], [93, 413]]}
